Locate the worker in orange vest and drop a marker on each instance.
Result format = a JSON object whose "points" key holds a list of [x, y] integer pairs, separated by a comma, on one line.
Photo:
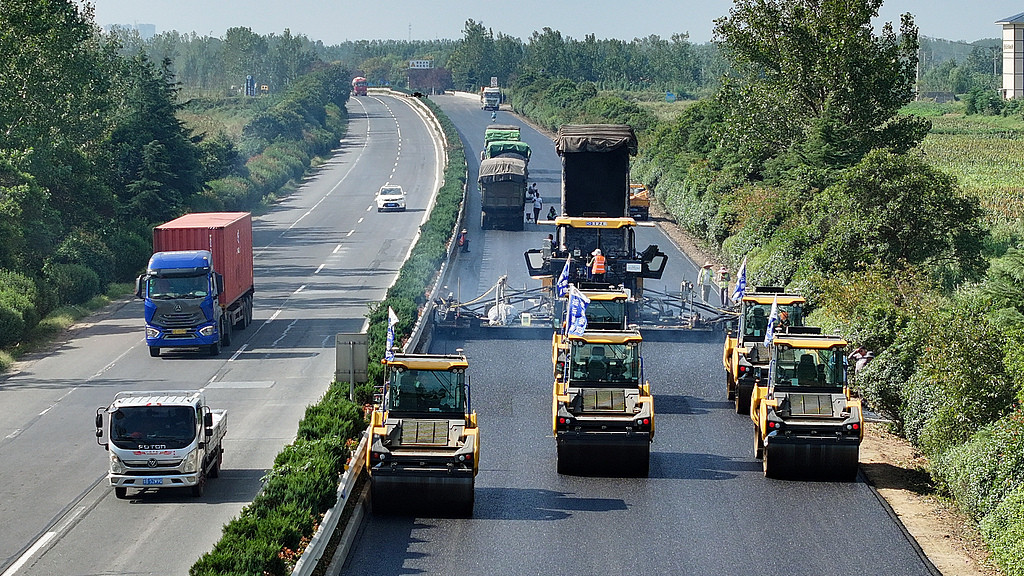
{"points": [[597, 266]]}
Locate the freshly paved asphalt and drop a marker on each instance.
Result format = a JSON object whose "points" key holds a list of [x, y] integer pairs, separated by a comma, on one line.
{"points": [[706, 507]]}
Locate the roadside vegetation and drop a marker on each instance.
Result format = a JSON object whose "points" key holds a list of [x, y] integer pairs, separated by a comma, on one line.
{"points": [[95, 154]]}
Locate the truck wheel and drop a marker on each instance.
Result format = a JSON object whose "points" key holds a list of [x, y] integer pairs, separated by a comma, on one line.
{"points": [[215, 348], [154, 351], [483, 221], [758, 443], [742, 400], [729, 386], [120, 492], [225, 335], [199, 488], [215, 469]]}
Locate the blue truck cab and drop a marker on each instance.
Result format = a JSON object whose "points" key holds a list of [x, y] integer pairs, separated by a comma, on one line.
{"points": [[181, 292]]}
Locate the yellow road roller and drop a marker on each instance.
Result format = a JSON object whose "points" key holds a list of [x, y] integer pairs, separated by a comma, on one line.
{"points": [[744, 355], [424, 440], [807, 423], [602, 409]]}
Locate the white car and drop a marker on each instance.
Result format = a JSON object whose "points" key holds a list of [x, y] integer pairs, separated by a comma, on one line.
{"points": [[390, 197]]}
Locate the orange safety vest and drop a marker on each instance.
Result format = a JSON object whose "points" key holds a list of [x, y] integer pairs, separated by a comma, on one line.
{"points": [[598, 267]]}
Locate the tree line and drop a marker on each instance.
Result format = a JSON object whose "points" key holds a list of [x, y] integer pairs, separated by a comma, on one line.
{"points": [[93, 154]]}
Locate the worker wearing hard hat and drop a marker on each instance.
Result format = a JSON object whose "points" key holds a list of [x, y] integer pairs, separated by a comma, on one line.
{"points": [[597, 265]]}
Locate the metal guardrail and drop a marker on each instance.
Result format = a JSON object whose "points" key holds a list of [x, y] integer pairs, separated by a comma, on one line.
{"points": [[314, 552]]}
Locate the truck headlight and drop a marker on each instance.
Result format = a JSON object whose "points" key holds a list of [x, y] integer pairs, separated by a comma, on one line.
{"points": [[116, 466], [152, 332], [188, 466], [208, 330]]}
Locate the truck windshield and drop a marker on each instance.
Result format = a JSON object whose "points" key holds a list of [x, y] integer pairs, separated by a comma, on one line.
{"points": [[426, 391], [809, 367], [169, 287], [142, 427], [605, 363], [606, 314]]}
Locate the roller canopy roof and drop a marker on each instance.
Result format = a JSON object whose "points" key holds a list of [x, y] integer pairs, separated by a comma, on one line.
{"points": [[595, 138]]}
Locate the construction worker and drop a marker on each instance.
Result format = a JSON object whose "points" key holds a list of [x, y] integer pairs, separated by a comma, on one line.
{"points": [[722, 279], [704, 280], [597, 266]]}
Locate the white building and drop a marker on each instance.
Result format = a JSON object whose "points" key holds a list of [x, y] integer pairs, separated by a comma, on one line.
{"points": [[1013, 56]]}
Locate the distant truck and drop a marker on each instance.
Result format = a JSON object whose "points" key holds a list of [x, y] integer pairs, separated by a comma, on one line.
{"points": [[359, 86], [502, 193], [639, 202], [164, 439], [490, 98], [505, 149], [199, 282], [501, 132]]}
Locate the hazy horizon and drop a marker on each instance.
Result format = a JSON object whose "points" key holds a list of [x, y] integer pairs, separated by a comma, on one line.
{"points": [[954, 20]]}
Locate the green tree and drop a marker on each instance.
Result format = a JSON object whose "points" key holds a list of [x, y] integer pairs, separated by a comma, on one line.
{"points": [[472, 62], [812, 74], [895, 210]]}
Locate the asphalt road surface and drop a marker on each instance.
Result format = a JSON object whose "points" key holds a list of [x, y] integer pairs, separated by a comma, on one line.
{"points": [[706, 507], [322, 255]]}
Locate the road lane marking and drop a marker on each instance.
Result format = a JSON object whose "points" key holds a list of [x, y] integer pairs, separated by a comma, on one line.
{"points": [[338, 247], [239, 353], [360, 221], [43, 540], [350, 232], [303, 287], [319, 268], [273, 316]]}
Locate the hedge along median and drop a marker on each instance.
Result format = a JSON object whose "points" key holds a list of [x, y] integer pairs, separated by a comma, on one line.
{"points": [[269, 534]]}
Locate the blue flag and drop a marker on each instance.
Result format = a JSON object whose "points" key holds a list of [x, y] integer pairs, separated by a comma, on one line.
{"points": [[773, 318], [392, 320], [577, 321], [562, 285], [741, 282]]}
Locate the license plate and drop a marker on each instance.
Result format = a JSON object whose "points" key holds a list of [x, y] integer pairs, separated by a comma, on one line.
{"points": [[152, 481], [179, 331]]}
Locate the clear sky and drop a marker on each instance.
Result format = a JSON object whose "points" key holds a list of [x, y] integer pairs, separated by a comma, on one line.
{"points": [[334, 21]]}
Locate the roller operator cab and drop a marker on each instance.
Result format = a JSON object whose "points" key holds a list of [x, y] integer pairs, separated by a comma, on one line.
{"points": [[744, 356], [609, 308], [424, 443], [807, 423], [602, 409], [165, 439]]}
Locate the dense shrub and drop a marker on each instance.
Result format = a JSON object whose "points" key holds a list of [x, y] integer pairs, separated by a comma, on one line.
{"points": [[88, 249], [12, 327], [19, 294], [131, 253], [71, 283], [1004, 531], [983, 471], [300, 487]]}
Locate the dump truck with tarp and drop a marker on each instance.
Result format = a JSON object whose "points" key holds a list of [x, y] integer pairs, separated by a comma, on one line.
{"points": [[424, 440], [602, 409], [744, 355], [502, 193], [807, 422], [506, 149], [507, 132]]}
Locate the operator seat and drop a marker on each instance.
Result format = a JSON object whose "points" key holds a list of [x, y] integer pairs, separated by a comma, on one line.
{"points": [[806, 371]]}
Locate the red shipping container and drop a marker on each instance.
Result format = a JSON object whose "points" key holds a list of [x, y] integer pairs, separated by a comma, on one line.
{"points": [[228, 237]]}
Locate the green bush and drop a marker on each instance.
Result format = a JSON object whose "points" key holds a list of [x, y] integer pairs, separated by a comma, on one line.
{"points": [[71, 283], [88, 249], [980, 473], [131, 253], [18, 293], [12, 327], [300, 487], [1003, 529]]}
